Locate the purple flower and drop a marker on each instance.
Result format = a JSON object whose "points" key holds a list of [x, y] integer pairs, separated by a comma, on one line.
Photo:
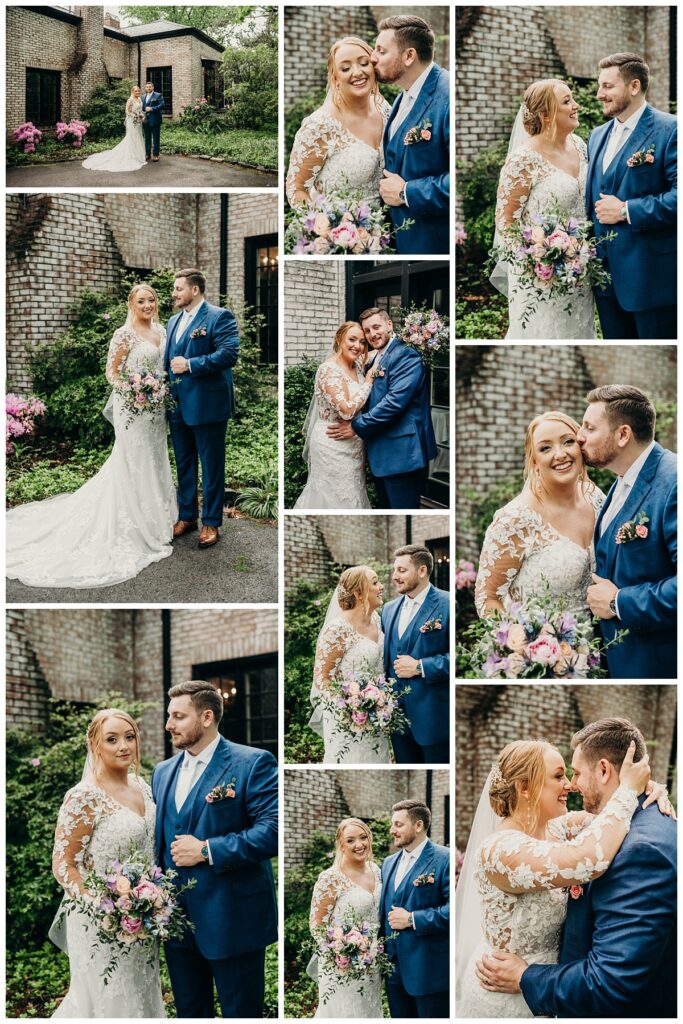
{"points": [[493, 666]]}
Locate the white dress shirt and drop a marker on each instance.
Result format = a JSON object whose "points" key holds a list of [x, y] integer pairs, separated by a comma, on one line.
{"points": [[186, 319], [621, 132], [409, 609], [192, 769], [408, 859], [408, 100]]}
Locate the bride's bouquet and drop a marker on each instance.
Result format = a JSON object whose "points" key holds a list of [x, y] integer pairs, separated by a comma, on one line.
{"points": [[144, 390], [551, 258], [364, 704], [134, 904], [426, 331], [536, 640], [352, 950], [138, 117], [339, 222]]}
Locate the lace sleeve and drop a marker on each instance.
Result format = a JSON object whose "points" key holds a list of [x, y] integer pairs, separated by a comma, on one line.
{"points": [[129, 105], [327, 890], [334, 385], [312, 145], [509, 538], [119, 348], [516, 863], [332, 645], [75, 825], [516, 180]]}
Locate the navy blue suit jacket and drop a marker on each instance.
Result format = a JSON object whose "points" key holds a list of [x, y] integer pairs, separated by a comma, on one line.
{"points": [[642, 258], [618, 955], [206, 394], [233, 904], [424, 166], [427, 704], [645, 572], [152, 107], [420, 953], [396, 421]]}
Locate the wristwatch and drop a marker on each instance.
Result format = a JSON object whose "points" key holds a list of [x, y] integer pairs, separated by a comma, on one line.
{"points": [[204, 851], [613, 605], [402, 195], [623, 212]]}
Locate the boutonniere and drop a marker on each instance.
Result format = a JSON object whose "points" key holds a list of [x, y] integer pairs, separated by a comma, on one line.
{"points": [[643, 156], [199, 332], [634, 529], [431, 625], [424, 880], [221, 792], [420, 133], [576, 892]]}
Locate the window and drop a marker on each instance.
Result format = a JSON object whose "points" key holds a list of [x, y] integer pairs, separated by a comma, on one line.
{"points": [[163, 83], [262, 258], [249, 688], [440, 550], [213, 83], [43, 102]]}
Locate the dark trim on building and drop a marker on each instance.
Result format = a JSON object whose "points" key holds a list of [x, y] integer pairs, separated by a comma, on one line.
{"points": [[114, 33], [56, 13], [184, 30], [166, 672], [223, 251]]}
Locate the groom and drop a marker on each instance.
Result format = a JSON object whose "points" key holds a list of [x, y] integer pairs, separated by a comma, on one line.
{"points": [[635, 585], [415, 904], [618, 952], [632, 190], [152, 106], [201, 349], [396, 422], [416, 632], [217, 822], [416, 182]]}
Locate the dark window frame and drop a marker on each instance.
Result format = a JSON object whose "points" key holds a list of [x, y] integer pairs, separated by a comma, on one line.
{"points": [[55, 115], [211, 69], [268, 333], [156, 75], [238, 668]]}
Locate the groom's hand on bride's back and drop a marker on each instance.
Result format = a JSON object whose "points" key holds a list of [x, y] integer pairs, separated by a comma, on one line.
{"points": [[341, 431], [499, 971]]}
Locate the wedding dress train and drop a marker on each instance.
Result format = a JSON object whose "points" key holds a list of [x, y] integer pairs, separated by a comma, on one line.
{"points": [[93, 830], [129, 155], [118, 522]]}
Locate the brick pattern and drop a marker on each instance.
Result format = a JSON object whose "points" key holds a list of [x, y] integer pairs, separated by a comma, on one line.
{"points": [[317, 800], [521, 382], [250, 216], [315, 306], [488, 717]]}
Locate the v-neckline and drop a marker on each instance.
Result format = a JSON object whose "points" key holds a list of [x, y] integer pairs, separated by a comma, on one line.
{"points": [[125, 806]]}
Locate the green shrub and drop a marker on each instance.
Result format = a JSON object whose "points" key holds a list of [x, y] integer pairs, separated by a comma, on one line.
{"points": [[483, 319], [297, 112], [260, 499], [105, 111], [251, 96], [299, 381], [43, 480], [201, 117]]}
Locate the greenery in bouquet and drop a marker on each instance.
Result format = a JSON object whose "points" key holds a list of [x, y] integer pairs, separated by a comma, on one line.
{"points": [[340, 222], [144, 390], [364, 704], [351, 949], [426, 331], [537, 640]]}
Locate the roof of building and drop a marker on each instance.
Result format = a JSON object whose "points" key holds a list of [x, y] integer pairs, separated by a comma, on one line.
{"points": [[160, 29]]}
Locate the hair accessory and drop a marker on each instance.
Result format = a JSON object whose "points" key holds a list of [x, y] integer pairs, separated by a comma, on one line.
{"points": [[525, 110], [497, 776]]}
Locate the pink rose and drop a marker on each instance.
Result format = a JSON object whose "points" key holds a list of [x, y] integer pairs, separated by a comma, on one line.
{"points": [[345, 235], [359, 717], [132, 925], [650, 158], [558, 240], [425, 134], [641, 531], [122, 885], [354, 937], [342, 962], [543, 271], [321, 246], [537, 234], [146, 891], [516, 639], [576, 891], [321, 224], [515, 663], [372, 693], [544, 651]]}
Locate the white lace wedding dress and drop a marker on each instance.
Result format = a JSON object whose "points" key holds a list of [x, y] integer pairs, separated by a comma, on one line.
{"points": [[529, 921], [522, 553], [335, 897], [327, 157], [336, 469], [129, 155], [342, 649], [93, 830], [529, 186], [118, 522]]}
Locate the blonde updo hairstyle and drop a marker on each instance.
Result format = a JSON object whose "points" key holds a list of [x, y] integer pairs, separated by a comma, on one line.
{"points": [[339, 835], [342, 331], [530, 478], [95, 734], [540, 100], [131, 298], [333, 88], [520, 765], [354, 588]]}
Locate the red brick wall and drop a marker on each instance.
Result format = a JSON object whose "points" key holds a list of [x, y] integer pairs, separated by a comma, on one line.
{"points": [[315, 306], [249, 216]]}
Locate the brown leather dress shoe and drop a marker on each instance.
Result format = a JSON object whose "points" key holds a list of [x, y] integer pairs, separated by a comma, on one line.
{"points": [[208, 537], [182, 527]]}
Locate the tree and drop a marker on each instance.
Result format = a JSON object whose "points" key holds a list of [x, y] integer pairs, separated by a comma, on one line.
{"points": [[208, 19]]}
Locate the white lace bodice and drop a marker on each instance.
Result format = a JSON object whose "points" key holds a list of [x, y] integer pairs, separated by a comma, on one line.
{"points": [[337, 396], [130, 351], [522, 552], [133, 107], [327, 157]]}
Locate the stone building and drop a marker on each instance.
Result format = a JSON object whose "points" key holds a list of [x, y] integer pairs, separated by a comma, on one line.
{"points": [[316, 801], [500, 388], [488, 717], [530, 42], [310, 32], [56, 56], [321, 294], [80, 655], [314, 545], [61, 243]]}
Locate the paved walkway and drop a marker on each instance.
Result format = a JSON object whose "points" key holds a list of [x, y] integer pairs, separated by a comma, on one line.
{"points": [[171, 171], [241, 569]]}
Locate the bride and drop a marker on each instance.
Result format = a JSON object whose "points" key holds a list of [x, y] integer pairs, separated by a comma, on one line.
{"points": [[129, 155], [351, 887], [523, 855], [336, 469], [351, 639], [106, 817], [545, 172], [122, 519], [339, 145], [544, 536]]}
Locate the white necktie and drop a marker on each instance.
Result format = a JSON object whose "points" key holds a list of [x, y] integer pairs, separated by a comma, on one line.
{"points": [[407, 611], [616, 504], [616, 141], [188, 774], [402, 869], [401, 113]]}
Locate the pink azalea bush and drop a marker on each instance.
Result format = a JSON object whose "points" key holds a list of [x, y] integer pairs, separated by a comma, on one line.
{"points": [[465, 574], [20, 417], [74, 132], [27, 136]]}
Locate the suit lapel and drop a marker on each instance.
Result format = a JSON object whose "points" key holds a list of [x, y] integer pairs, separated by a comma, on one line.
{"points": [[598, 153], [416, 114], [634, 142], [166, 787], [420, 867], [214, 771], [424, 613], [635, 499]]}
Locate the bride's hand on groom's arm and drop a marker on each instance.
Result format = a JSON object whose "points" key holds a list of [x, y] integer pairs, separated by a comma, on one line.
{"points": [[659, 794], [500, 971]]}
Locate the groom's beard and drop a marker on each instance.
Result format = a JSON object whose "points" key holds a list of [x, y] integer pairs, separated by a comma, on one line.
{"points": [[189, 740]]}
